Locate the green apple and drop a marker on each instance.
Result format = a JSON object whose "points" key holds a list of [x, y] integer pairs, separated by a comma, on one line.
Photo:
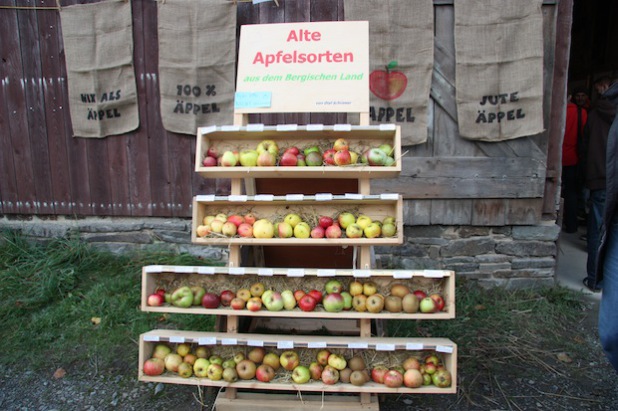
{"points": [[312, 149], [333, 286], [289, 302], [268, 145], [198, 294], [229, 159], [182, 297], [292, 219], [302, 230], [248, 158]]}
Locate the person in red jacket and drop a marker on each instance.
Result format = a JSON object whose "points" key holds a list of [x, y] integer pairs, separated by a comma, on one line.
{"points": [[576, 117]]}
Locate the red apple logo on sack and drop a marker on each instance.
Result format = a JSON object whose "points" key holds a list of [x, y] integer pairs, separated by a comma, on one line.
{"points": [[388, 84]]}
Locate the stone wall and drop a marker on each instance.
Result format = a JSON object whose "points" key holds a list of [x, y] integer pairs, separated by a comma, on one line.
{"points": [[512, 256]]}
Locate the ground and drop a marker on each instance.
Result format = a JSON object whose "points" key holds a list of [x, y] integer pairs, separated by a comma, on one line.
{"points": [[508, 382]]}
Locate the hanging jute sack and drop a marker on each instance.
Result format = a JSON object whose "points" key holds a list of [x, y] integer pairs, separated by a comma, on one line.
{"points": [[499, 68], [98, 44], [400, 62], [197, 57]]}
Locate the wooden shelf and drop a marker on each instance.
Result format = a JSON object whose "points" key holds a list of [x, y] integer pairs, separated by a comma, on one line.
{"points": [[237, 138], [238, 342], [275, 208], [217, 279]]}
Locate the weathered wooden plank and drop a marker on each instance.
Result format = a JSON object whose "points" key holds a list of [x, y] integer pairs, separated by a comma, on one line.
{"points": [[488, 212], [451, 212], [54, 105], [523, 211]]}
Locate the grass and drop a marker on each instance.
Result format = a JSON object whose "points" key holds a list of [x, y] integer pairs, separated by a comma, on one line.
{"points": [[51, 293]]}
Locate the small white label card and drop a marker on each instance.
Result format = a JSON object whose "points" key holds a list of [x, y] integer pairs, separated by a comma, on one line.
{"points": [[296, 272], [402, 274], [326, 272], [229, 341], [287, 127], [444, 348], [285, 345], [315, 127], [206, 270], [434, 273], [342, 127], [177, 339], [266, 272], [255, 127], [385, 347], [294, 197], [255, 343], [207, 341], [353, 196], [358, 345], [389, 196], [414, 346], [237, 198], [361, 273], [230, 128], [316, 344], [237, 270], [323, 197], [263, 197], [152, 338], [206, 198]]}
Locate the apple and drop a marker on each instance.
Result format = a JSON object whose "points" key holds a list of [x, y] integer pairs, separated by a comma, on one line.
{"points": [[289, 360], [302, 230], [375, 303], [250, 218], [257, 289], [307, 303], [266, 159], [378, 372], [325, 221], [182, 297], [412, 378], [154, 366], [198, 294], [328, 157], [334, 231], [292, 149], [200, 367], [214, 372], [216, 226], [316, 294], [356, 363], [229, 363], [427, 305], [427, 379], [363, 221], [337, 361], [284, 230], [410, 303], [393, 379], [356, 287], [354, 157], [202, 230], [248, 158], [256, 354], [442, 378], [230, 375], [263, 228], [289, 301], [341, 144], [317, 232], [358, 378], [298, 294], [400, 290], [344, 375], [155, 300], [288, 160], [420, 294], [212, 152], [254, 304], [185, 370], [370, 288], [236, 219], [211, 300], [354, 231], [322, 357], [215, 359], [432, 359], [342, 158], [229, 229], [190, 358], [393, 304], [347, 300], [226, 297], [333, 286], [246, 369], [376, 157], [301, 374], [387, 149], [269, 146], [330, 375], [264, 373], [315, 370], [292, 219], [311, 149], [172, 361], [202, 352], [301, 160], [209, 161], [221, 217], [373, 230], [345, 219], [183, 349], [333, 302], [272, 300], [243, 293], [314, 159], [272, 359], [437, 298], [359, 303], [430, 368], [411, 363], [238, 357]]}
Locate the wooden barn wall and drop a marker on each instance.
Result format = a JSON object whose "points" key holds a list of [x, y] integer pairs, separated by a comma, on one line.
{"points": [[149, 172]]}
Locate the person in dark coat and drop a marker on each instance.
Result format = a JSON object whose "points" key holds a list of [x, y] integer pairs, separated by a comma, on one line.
{"points": [[594, 149], [606, 273]]}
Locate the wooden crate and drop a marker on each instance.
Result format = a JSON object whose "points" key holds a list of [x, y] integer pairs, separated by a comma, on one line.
{"points": [[217, 279], [237, 138], [275, 208], [384, 351], [243, 401]]}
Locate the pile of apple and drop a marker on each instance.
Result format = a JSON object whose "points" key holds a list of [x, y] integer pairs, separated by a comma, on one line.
{"points": [[268, 154], [248, 225], [360, 297], [328, 367]]}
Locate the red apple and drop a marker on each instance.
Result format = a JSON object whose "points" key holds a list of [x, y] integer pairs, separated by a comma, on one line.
{"points": [[378, 373], [209, 161], [250, 218], [330, 375], [226, 297], [316, 294], [154, 366], [264, 373], [317, 232], [437, 298], [334, 231], [238, 303], [307, 303], [329, 157], [236, 219], [294, 150], [420, 294], [212, 152], [325, 221], [341, 144], [155, 300], [288, 159], [342, 158], [393, 379], [412, 378], [211, 300]]}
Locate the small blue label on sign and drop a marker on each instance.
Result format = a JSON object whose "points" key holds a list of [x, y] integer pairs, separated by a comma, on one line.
{"points": [[245, 99]]}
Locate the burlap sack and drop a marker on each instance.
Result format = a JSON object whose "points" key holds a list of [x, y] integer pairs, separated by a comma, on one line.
{"points": [[98, 44], [197, 57], [401, 32], [499, 68]]}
